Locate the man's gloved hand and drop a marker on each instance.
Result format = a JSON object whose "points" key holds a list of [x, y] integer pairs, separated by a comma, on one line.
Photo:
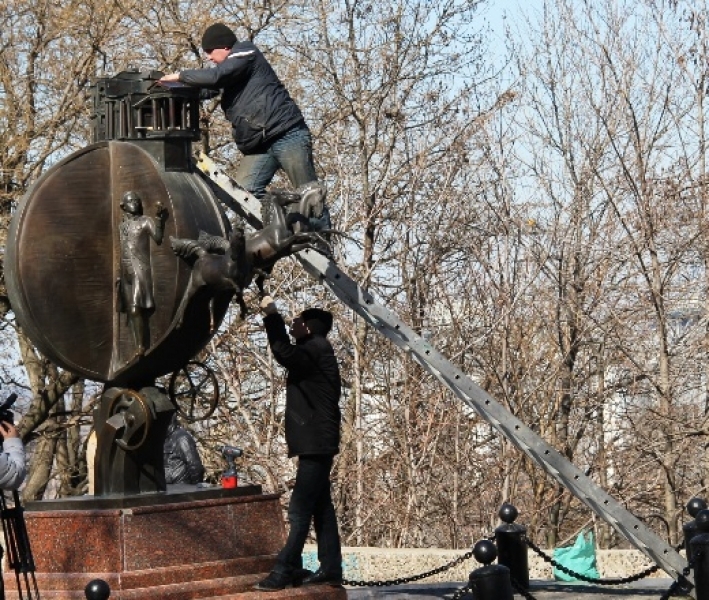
{"points": [[268, 306]]}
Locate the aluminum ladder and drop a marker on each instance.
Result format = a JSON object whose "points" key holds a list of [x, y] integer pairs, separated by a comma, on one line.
{"points": [[399, 333]]}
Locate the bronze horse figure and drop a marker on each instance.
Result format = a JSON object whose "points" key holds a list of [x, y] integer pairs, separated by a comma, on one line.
{"points": [[217, 264], [231, 264], [281, 235]]}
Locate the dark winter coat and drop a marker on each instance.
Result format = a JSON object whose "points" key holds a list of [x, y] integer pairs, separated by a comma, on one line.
{"points": [[182, 461], [312, 390], [254, 100]]}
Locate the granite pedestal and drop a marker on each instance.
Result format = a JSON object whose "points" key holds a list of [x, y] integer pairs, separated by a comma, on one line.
{"points": [[184, 544]]}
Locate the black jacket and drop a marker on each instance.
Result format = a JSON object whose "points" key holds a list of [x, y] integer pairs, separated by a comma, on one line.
{"points": [[182, 461], [253, 98], [312, 390]]}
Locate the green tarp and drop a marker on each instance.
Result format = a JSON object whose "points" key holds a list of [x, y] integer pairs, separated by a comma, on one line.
{"points": [[579, 558]]}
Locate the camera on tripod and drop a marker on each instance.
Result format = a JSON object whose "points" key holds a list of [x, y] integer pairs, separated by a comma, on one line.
{"points": [[6, 415]]}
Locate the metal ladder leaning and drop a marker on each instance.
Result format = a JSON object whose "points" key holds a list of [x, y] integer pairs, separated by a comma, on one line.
{"points": [[400, 334]]}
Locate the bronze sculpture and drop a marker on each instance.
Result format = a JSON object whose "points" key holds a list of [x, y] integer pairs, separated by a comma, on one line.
{"points": [[219, 263], [101, 257], [87, 225], [136, 280]]}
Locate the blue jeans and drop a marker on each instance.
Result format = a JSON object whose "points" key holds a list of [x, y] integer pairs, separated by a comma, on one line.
{"points": [[311, 501], [292, 152]]}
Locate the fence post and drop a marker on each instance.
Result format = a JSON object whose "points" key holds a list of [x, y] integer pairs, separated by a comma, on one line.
{"points": [[698, 555], [489, 582], [97, 589], [689, 529], [511, 547]]}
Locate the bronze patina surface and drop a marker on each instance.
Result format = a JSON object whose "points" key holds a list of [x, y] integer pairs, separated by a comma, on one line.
{"points": [[63, 264]]}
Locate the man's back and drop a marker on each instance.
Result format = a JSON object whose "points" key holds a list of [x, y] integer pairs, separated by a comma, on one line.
{"points": [[182, 461], [313, 389]]}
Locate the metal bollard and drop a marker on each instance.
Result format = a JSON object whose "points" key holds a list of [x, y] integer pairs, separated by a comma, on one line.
{"points": [[689, 529], [489, 582], [511, 547], [97, 589], [698, 552]]}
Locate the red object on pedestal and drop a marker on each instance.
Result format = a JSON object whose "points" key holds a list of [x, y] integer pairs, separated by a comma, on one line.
{"points": [[229, 481]]}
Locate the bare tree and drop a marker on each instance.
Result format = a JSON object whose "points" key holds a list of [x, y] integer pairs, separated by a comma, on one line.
{"points": [[610, 114]]}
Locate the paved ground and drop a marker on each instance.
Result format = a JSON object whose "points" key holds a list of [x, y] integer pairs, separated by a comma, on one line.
{"points": [[540, 590]]}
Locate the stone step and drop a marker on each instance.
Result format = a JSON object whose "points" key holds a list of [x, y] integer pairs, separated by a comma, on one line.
{"points": [[307, 592], [225, 588], [232, 588]]}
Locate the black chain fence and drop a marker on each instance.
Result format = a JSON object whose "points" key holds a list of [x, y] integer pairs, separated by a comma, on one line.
{"points": [[682, 585], [595, 580], [402, 580], [461, 592]]}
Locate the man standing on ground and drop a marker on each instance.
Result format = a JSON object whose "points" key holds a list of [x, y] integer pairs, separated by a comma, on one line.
{"points": [[267, 125], [313, 435]]}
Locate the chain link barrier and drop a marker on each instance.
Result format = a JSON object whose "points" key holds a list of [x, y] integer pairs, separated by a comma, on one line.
{"points": [[679, 586], [462, 592], [596, 581], [402, 580]]}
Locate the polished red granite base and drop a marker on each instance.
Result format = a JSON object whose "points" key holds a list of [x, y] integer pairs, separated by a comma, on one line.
{"points": [[181, 545]]}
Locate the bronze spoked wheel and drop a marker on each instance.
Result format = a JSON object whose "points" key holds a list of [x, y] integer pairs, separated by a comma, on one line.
{"points": [[136, 415], [194, 390]]}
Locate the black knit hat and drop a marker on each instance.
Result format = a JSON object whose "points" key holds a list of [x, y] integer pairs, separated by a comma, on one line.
{"points": [[218, 35], [318, 321]]}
